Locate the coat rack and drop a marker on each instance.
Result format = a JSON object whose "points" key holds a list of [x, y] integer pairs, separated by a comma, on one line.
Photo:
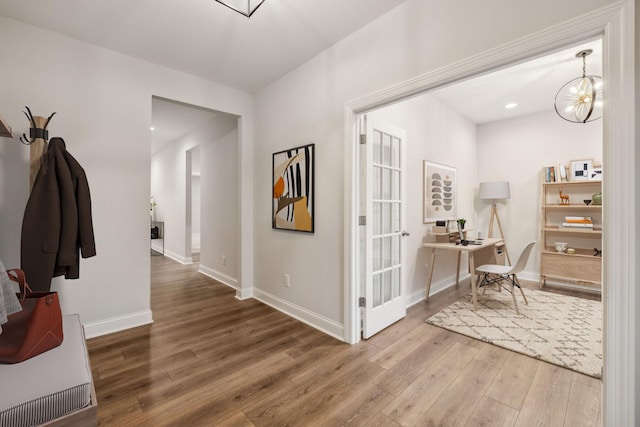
{"points": [[37, 142]]}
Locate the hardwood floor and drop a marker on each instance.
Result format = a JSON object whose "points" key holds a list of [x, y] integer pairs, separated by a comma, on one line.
{"points": [[211, 360]]}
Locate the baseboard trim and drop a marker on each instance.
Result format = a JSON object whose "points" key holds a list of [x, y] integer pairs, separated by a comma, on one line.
{"points": [[242, 294], [174, 256], [220, 277], [314, 320], [117, 324], [436, 287]]}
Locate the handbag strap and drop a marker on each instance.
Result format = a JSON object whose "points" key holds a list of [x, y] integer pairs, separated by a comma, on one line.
{"points": [[17, 275]]}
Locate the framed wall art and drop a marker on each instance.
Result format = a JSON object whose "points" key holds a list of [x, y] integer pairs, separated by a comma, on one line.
{"points": [[595, 174], [580, 170], [293, 189], [440, 192]]}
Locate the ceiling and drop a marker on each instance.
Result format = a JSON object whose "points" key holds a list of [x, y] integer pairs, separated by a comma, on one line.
{"points": [[208, 40], [532, 85], [204, 38], [171, 120]]}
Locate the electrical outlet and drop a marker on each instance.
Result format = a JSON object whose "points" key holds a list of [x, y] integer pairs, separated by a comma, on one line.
{"points": [[286, 281], [224, 260]]}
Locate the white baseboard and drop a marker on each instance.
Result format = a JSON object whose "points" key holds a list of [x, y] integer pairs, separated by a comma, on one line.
{"points": [[242, 294], [116, 324], [436, 287], [314, 320], [220, 277], [174, 256]]}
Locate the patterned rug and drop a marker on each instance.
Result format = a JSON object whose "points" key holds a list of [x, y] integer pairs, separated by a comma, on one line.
{"points": [[558, 329]]}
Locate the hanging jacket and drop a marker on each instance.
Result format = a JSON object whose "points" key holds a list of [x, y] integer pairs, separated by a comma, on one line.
{"points": [[57, 220]]}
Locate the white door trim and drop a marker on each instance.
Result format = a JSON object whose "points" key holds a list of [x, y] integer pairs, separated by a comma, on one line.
{"points": [[615, 23]]}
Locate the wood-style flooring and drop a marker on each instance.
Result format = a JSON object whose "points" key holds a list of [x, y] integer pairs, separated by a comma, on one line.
{"points": [[211, 360]]}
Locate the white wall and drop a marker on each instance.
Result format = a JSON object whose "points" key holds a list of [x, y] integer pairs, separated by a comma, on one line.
{"points": [[169, 183], [307, 105], [516, 150], [219, 236], [438, 134], [103, 101]]}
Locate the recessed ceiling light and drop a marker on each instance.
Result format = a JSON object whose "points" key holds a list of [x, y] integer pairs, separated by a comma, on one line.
{"points": [[510, 105], [152, 128]]}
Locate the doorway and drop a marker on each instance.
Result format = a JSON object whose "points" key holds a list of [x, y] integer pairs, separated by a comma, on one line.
{"points": [[619, 213], [194, 159]]}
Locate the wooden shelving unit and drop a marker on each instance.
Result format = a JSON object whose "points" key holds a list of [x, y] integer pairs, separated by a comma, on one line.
{"points": [[581, 268]]}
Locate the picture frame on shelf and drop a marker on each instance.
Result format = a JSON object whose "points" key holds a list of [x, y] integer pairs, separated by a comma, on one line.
{"points": [[439, 192], [595, 174], [580, 169]]}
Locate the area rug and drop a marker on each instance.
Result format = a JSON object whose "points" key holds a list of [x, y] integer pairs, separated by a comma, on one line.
{"points": [[558, 329]]}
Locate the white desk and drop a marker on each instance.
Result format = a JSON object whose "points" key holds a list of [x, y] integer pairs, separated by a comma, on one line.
{"points": [[488, 257]]}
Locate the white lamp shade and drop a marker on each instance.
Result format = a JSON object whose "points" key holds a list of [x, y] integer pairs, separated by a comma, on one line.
{"points": [[496, 190]]}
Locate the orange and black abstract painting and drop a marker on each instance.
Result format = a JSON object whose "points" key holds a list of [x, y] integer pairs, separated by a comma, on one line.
{"points": [[293, 195]]}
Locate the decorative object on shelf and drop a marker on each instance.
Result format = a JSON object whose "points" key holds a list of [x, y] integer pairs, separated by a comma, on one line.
{"points": [[494, 191], [440, 192], [571, 251], [153, 205], [564, 198], [597, 198], [462, 222], [580, 100], [595, 174], [580, 169], [293, 189], [561, 246], [597, 252], [587, 201], [243, 7]]}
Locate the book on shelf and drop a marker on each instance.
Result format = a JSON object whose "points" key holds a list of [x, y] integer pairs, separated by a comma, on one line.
{"points": [[577, 225], [555, 174], [578, 220]]}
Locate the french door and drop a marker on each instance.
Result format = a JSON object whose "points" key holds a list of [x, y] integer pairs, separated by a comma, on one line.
{"points": [[383, 183]]}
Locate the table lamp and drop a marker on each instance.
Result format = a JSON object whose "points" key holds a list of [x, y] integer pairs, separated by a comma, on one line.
{"points": [[495, 190]]}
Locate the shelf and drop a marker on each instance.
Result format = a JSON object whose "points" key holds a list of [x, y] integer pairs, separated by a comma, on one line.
{"points": [[5, 129], [570, 183], [579, 252], [574, 206], [582, 267], [597, 231]]}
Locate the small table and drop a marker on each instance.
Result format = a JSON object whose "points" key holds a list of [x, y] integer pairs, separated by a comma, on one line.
{"points": [[471, 250]]}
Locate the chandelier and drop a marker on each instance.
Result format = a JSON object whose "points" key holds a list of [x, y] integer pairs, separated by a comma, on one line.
{"points": [[580, 100], [244, 7]]}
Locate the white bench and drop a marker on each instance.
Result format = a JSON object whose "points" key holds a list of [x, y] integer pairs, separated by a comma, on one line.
{"points": [[54, 388]]}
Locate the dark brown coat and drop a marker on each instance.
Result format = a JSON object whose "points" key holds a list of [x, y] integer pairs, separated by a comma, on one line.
{"points": [[57, 220]]}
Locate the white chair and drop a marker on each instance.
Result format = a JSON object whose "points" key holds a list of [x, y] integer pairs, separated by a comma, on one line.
{"points": [[497, 274]]}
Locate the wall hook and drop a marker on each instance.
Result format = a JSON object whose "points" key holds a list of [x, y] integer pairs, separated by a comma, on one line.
{"points": [[35, 132]]}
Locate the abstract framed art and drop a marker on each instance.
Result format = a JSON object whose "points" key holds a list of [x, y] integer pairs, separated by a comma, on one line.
{"points": [[293, 192], [580, 169], [439, 192]]}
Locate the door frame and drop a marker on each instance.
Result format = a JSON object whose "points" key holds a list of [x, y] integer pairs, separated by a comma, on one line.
{"points": [[615, 23]]}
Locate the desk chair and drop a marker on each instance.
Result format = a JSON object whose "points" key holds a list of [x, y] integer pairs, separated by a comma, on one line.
{"points": [[497, 274]]}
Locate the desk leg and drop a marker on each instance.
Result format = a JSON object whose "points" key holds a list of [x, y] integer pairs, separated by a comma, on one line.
{"points": [[472, 270], [458, 268], [433, 263]]}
